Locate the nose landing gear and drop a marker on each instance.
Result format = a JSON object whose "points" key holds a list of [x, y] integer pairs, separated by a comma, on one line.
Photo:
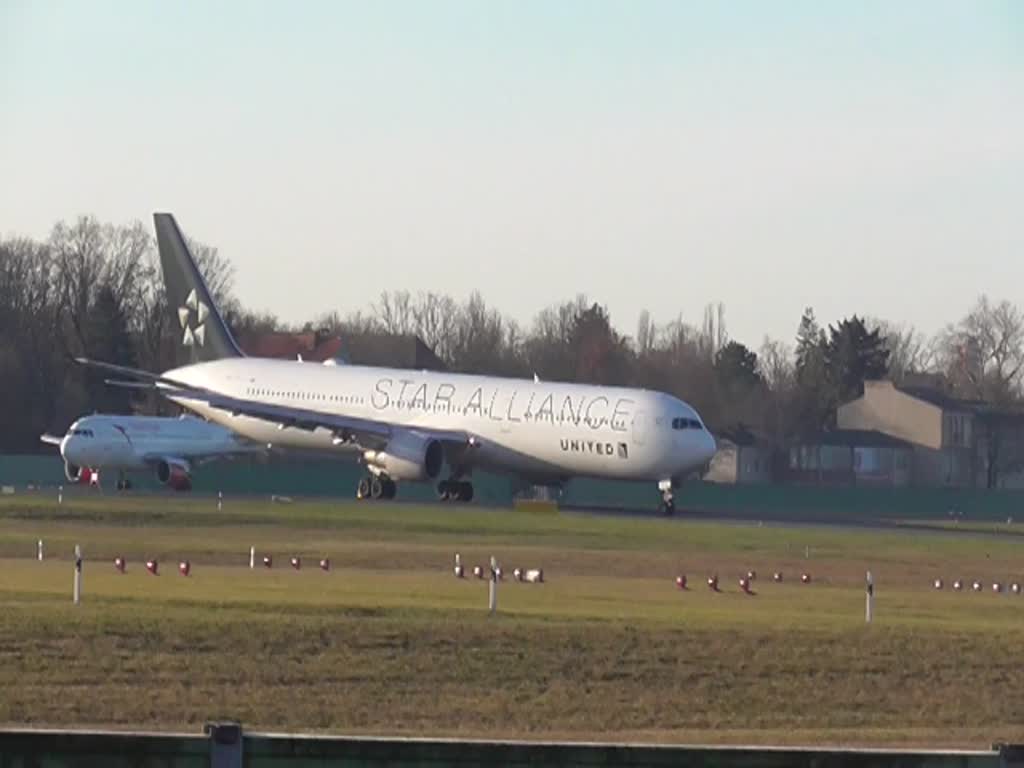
{"points": [[668, 503]]}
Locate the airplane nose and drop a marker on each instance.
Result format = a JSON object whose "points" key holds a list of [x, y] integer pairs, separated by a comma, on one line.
{"points": [[710, 446]]}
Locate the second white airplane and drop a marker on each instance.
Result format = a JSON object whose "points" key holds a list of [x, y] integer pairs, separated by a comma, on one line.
{"points": [[168, 447], [406, 425]]}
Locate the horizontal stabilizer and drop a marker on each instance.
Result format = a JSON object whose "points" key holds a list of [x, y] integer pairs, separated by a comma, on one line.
{"points": [[131, 372], [130, 384]]}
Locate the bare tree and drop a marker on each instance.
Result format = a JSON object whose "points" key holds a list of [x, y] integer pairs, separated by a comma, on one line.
{"points": [[78, 250], [33, 367], [478, 344], [218, 272], [546, 351], [355, 324], [435, 318], [983, 354], [646, 334], [910, 351], [394, 312], [776, 365], [713, 334]]}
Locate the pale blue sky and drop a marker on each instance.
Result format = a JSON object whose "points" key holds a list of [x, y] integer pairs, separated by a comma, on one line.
{"points": [[657, 155]]}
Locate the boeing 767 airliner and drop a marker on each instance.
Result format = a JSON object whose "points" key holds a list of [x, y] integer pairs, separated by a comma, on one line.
{"points": [[407, 425]]}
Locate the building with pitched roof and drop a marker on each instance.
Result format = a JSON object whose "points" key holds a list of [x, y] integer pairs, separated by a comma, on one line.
{"points": [[956, 442], [379, 349]]}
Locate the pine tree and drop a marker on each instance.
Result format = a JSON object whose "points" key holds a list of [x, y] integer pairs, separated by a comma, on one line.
{"points": [[815, 400], [854, 355], [109, 339]]}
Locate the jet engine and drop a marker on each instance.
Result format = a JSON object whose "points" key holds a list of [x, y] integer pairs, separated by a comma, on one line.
{"points": [[72, 473], [174, 475], [409, 456]]}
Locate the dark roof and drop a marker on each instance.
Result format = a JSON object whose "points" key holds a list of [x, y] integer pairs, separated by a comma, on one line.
{"points": [[286, 345], [381, 349], [855, 438], [979, 408], [939, 398], [993, 413], [397, 351], [741, 435]]}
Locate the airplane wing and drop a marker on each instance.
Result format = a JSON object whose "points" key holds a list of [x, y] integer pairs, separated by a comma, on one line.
{"points": [[199, 459], [50, 439], [366, 433]]}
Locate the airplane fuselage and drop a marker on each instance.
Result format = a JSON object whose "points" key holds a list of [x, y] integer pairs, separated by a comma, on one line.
{"points": [[542, 430], [135, 443]]}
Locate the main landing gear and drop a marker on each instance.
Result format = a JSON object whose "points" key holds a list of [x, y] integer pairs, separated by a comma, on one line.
{"points": [[376, 487], [123, 483], [455, 490]]}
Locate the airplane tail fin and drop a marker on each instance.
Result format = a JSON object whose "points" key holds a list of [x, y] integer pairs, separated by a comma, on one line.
{"points": [[196, 319]]}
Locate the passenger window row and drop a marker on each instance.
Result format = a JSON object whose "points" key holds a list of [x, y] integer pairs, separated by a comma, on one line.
{"points": [[305, 396]]}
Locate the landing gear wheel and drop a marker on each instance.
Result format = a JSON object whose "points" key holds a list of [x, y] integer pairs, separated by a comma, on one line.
{"points": [[389, 489], [376, 488], [363, 489], [454, 490], [668, 508]]}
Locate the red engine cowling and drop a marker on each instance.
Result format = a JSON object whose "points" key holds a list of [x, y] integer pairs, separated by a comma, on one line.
{"points": [[174, 475]]}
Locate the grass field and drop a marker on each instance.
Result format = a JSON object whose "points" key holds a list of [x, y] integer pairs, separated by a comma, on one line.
{"points": [[389, 641]]}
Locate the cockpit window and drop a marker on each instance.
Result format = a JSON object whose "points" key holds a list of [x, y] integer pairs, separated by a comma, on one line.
{"points": [[82, 432], [684, 423]]}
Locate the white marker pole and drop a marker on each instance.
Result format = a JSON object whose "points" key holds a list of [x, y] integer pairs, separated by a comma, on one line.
{"points": [[870, 589], [60, 494], [220, 500], [39, 550], [492, 592], [252, 558], [77, 595]]}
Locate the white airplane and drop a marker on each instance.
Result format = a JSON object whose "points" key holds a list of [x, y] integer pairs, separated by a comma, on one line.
{"points": [[169, 447], [405, 425]]}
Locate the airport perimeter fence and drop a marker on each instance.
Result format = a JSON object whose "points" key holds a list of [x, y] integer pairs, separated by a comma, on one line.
{"points": [[226, 745], [337, 480]]}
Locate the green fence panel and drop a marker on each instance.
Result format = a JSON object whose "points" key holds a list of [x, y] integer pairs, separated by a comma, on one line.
{"points": [[84, 749]]}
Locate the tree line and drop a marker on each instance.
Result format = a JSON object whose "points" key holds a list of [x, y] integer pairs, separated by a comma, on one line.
{"points": [[96, 289]]}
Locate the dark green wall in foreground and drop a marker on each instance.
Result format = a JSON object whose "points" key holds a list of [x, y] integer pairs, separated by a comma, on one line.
{"points": [[83, 749], [338, 479]]}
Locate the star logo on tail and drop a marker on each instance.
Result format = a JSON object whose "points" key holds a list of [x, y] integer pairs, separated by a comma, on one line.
{"points": [[193, 336]]}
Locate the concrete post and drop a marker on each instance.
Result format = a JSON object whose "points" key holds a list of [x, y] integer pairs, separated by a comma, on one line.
{"points": [[492, 596], [39, 550], [870, 605], [77, 591], [225, 744]]}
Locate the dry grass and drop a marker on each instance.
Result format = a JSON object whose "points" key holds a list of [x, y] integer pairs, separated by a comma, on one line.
{"points": [[390, 642]]}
